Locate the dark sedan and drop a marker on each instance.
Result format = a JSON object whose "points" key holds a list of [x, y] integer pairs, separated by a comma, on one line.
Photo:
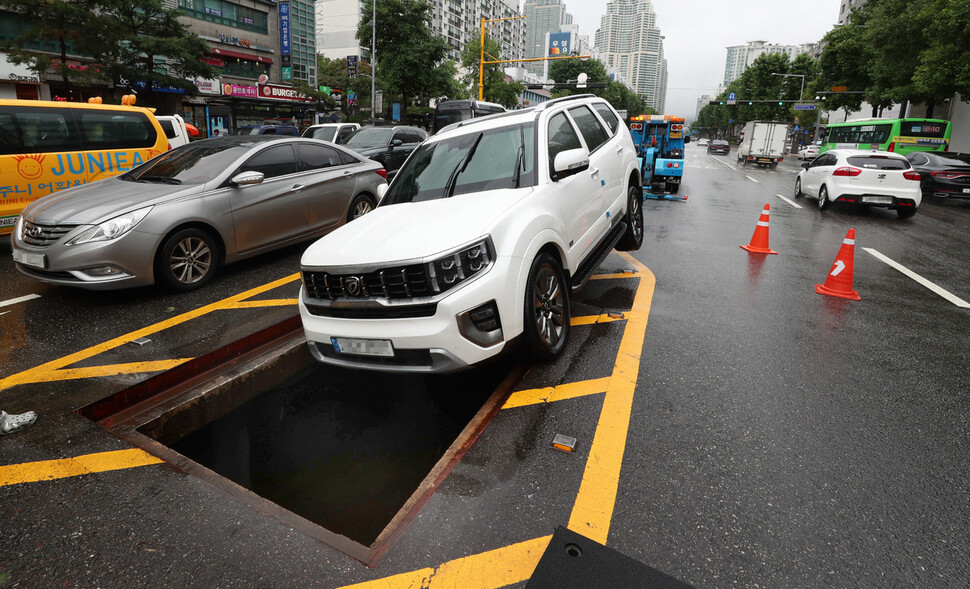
{"points": [[176, 218], [942, 174], [719, 146], [388, 145]]}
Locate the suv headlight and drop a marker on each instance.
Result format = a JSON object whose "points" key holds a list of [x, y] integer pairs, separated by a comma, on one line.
{"points": [[448, 271], [112, 228]]}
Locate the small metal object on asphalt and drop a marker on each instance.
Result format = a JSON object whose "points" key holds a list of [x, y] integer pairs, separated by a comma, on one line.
{"points": [[141, 341], [564, 443], [615, 315]]}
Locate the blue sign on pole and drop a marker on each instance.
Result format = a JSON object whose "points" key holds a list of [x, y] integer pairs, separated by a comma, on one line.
{"points": [[284, 28], [396, 111], [733, 96], [804, 107], [558, 44]]}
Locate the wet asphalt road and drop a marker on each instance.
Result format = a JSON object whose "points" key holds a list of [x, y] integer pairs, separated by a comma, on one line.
{"points": [[778, 438]]}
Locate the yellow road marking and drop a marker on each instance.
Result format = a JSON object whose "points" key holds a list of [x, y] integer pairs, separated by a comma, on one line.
{"points": [[495, 568], [560, 393], [613, 276], [49, 371], [48, 470], [265, 303], [115, 369], [593, 509], [591, 319]]}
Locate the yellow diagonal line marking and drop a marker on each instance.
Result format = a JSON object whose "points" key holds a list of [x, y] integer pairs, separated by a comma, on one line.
{"points": [[593, 510], [559, 393], [115, 369], [591, 319], [495, 568], [264, 303], [47, 372], [48, 470], [613, 276]]}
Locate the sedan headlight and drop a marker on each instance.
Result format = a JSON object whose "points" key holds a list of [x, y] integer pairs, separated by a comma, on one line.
{"points": [[450, 270], [111, 229]]}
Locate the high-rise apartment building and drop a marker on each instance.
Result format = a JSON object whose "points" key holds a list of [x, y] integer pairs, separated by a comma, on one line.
{"points": [[629, 40], [456, 21], [846, 8], [541, 18], [740, 57]]}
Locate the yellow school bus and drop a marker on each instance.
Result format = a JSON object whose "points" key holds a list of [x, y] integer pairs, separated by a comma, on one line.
{"points": [[49, 146]]}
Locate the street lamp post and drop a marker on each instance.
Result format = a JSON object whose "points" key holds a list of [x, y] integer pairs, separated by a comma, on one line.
{"points": [[802, 76], [373, 59]]}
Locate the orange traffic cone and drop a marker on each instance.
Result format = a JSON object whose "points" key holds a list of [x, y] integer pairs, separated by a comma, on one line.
{"points": [[759, 241], [838, 283]]}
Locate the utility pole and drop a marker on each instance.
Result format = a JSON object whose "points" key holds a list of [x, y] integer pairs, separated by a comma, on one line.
{"points": [[373, 60]]}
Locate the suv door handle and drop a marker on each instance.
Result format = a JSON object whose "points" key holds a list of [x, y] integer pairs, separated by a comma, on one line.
{"points": [[593, 173], [297, 188]]}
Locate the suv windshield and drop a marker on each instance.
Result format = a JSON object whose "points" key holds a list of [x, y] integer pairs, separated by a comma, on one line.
{"points": [[472, 162], [194, 163], [373, 137], [324, 133]]}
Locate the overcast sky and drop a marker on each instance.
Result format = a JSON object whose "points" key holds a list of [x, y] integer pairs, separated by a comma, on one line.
{"points": [[698, 31]]}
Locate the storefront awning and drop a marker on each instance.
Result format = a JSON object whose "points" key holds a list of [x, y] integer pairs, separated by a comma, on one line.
{"points": [[240, 55]]}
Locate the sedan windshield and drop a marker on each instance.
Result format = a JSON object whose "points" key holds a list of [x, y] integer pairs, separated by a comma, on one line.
{"points": [[195, 163], [471, 162], [373, 137]]}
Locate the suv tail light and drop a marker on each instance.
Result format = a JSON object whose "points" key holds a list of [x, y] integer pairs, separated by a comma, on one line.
{"points": [[911, 175], [382, 173], [847, 171]]}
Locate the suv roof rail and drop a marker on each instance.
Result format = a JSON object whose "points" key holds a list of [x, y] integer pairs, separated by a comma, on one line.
{"points": [[549, 103]]}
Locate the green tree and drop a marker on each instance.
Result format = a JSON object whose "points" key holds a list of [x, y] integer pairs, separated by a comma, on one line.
{"points": [[143, 41], [845, 62], [495, 87], [943, 67], [622, 98], [49, 32], [409, 55]]}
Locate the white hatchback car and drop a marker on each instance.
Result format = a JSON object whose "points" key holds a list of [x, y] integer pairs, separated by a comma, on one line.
{"points": [[480, 239], [873, 178]]}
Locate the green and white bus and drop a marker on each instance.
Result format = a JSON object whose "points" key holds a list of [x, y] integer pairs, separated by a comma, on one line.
{"points": [[898, 135]]}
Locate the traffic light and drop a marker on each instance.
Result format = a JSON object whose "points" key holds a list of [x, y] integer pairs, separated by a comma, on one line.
{"points": [[750, 103], [781, 103]]}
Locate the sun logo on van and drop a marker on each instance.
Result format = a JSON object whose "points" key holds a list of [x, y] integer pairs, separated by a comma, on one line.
{"points": [[29, 165]]}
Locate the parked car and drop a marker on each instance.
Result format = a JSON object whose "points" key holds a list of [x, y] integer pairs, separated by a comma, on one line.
{"points": [[175, 129], [175, 219], [333, 132], [808, 152], [873, 178], [290, 130], [388, 145], [942, 173], [719, 146], [480, 239]]}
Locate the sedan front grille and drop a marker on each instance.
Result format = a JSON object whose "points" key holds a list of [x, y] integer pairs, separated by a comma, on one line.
{"points": [[43, 235], [397, 282]]}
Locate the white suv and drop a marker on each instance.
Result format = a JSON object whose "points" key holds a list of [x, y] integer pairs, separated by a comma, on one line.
{"points": [[481, 238]]}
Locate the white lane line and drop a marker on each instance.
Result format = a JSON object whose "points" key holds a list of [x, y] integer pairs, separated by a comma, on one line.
{"points": [[722, 163], [907, 272], [789, 201], [750, 178], [19, 300]]}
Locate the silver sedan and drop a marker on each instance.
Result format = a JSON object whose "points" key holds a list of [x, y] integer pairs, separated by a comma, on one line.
{"points": [[175, 219]]}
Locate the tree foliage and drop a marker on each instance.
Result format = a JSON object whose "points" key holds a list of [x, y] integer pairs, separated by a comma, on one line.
{"points": [[411, 60], [495, 87], [622, 98]]}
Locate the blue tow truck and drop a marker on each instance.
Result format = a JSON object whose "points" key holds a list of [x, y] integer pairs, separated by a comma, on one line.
{"points": [[659, 140]]}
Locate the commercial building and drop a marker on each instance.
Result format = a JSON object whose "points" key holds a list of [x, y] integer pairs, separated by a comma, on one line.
{"points": [[542, 17], [740, 57], [630, 41]]}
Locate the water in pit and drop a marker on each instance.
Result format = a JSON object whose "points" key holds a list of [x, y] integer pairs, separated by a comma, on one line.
{"points": [[344, 449]]}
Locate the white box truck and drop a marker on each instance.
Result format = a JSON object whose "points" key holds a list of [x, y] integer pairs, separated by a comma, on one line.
{"points": [[763, 143]]}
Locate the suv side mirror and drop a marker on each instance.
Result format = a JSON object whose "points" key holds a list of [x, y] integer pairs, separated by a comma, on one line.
{"points": [[570, 162], [687, 139]]}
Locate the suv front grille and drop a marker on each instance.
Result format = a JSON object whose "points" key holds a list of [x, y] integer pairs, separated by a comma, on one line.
{"points": [[396, 282], [44, 235]]}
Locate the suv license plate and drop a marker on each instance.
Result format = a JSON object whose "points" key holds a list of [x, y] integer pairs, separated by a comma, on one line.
{"points": [[878, 200], [363, 347], [30, 259]]}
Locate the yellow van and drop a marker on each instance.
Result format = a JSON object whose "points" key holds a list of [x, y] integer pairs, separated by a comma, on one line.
{"points": [[48, 146]]}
